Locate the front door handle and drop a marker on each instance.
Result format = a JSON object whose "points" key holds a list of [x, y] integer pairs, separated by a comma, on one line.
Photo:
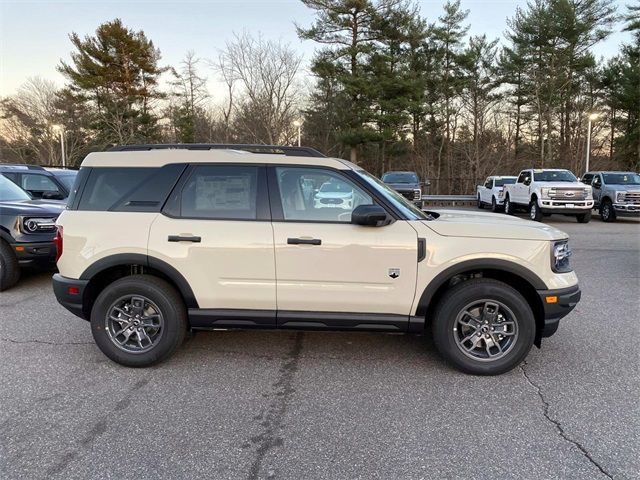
{"points": [[185, 238], [304, 241]]}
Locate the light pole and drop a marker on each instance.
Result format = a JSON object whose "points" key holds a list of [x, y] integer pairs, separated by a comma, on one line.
{"points": [[592, 117], [60, 130], [298, 124]]}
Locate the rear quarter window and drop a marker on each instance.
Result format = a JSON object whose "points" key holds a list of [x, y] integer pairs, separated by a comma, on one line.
{"points": [[106, 186]]}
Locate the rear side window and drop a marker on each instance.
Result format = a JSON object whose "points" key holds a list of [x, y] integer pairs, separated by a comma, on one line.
{"points": [[106, 186], [221, 192]]}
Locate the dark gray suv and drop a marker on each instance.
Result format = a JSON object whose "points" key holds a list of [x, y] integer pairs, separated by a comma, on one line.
{"points": [[406, 184]]}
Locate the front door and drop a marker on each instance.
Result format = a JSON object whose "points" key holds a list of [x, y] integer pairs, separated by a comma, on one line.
{"points": [[325, 265]]}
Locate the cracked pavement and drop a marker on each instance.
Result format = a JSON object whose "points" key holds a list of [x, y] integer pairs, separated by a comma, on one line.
{"points": [[290, 405]]}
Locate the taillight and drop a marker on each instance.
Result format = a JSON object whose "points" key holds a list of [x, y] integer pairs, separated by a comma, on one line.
{"points": [[57, 241]]}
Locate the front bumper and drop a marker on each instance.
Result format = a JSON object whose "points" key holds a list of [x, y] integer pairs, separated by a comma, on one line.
{"points": [[627, 209], [36, 252], [70, 293], [548, 205], [557, 304]]}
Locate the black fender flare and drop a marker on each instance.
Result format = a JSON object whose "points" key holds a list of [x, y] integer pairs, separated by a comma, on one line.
{"points": [[475, 265], [122, 259]]}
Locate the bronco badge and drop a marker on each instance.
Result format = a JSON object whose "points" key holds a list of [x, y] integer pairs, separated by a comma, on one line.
{"points": [[394, 272]]}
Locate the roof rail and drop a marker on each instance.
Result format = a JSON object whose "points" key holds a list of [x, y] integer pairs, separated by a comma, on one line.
{"points": [[269, 149], [22, 165]]}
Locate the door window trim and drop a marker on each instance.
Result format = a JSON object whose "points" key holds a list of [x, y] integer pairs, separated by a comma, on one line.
{"points": [[172, 207], [277, 213]]}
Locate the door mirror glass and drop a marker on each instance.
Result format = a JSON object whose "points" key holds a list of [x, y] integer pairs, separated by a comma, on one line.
{"points": [[527, 181], [369, 215]]}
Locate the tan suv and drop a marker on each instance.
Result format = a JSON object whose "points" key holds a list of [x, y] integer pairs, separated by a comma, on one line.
{"points": [[156, 241]]}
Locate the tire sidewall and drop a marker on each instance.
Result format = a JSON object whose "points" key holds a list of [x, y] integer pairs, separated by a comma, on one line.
{"points": [[171, 307], [508, 209], [459, 297]]}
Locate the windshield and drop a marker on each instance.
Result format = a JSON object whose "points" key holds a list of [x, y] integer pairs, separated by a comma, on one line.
{"points": [[621, 178], [407, 208], [554, 176], [400, 177], [9, 191], [67, 180], [501, 182]]}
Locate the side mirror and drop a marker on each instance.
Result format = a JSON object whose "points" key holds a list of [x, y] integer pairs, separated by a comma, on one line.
{"points": [[527, 181], [426, 183], [369, 215]]}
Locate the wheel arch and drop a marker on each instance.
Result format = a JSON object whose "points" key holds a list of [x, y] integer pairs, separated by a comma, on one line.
{"points": [[523, 280], [109, 269]]}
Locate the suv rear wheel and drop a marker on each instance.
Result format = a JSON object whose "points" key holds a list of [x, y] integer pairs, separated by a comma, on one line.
{"points": [[9, 267], [483, 326], [138, 320]]}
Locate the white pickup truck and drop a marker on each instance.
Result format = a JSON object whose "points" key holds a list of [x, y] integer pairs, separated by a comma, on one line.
{"points": [[548, 191], [492, 192]]}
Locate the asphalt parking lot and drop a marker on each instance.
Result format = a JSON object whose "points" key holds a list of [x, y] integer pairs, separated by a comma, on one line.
{"points": [[256, 404]]}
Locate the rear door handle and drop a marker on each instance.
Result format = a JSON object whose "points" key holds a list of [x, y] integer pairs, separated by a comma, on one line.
{"points": [[186, 238], [304, 241]]}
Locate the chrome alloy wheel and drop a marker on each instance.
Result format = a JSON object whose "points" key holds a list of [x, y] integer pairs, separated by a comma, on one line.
{"points": [[134, 324], [485, 330]]}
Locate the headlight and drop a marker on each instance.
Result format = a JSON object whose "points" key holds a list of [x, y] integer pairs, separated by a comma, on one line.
{"points": [[545, 192], [620, 196], [37, 224], [560, 254], [589, 192], [417, 194]]}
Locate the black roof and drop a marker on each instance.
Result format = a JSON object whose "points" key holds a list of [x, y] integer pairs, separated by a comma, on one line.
{"points": [[270, 149]]}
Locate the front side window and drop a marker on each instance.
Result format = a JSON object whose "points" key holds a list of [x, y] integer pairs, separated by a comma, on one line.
{"points": [[523, 176], [221, 192], [318, 195]]}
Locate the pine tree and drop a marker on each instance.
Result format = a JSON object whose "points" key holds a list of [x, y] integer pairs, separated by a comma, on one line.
{"points": [[116, 72]]}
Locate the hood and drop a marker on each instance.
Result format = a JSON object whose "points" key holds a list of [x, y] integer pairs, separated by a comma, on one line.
{"points": [[32, 207], [403, 186], [563, 185], [461, 223], [334, 194], [623, 188]]}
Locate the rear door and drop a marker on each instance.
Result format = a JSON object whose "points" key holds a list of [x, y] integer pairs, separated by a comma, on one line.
{"points": [[329, 270], [216, 231]]}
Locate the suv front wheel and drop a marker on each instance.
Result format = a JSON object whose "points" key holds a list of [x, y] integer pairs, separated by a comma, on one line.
{"points": [[139, 320], [483, 326]]}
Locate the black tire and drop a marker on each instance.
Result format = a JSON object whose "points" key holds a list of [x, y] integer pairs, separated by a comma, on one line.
{"points": [[454, 302], [535, 213], [9, 267], [607, 212], [480, 204], [508, 207], [584, 217], [170, 305], [494, 205]]}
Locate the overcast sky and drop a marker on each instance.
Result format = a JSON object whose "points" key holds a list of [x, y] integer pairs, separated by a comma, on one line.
{"points": [[34, 34]]}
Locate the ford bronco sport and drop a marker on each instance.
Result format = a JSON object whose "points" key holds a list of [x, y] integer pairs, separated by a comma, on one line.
{"points": [[158, 241]]}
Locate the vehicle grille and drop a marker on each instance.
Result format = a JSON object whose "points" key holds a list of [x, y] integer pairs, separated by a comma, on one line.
{"points": [[632, 197], [568, 194]]}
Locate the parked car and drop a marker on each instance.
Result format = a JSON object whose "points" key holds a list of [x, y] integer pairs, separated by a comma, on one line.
{"points": [[218, 239], [615, 194], [492, 192], [27, 228], [548, 191], [406, 184], [41, 182]]}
